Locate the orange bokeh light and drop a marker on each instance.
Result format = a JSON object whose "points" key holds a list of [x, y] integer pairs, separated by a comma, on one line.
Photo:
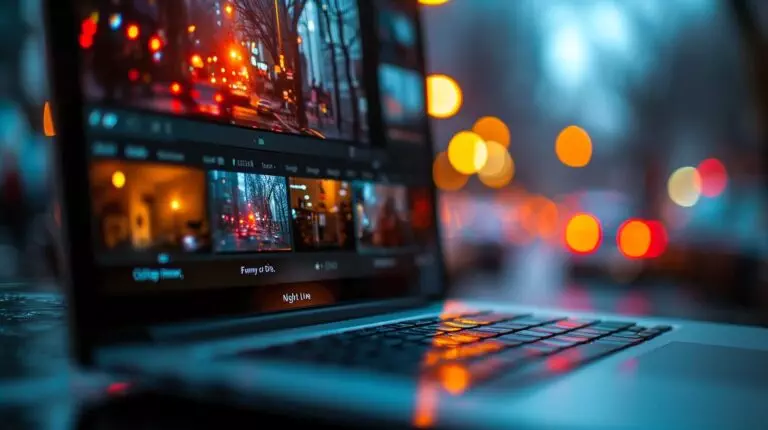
{"points": [[583, 234], [454, 378], [634, 238], [445, 176], [493, 129], [574, 147], [444, 96], [714, 177], [48, 128], [132, 31], [155, 44]]}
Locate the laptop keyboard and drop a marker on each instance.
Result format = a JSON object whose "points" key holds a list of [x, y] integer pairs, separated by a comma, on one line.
{"points": [[484, 344]]}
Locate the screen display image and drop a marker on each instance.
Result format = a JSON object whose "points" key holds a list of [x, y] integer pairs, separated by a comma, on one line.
{"points": [[286, 66], [322, 214], [383, 216], [398, 36], [145, 208], [251, 212], [402, 92]]}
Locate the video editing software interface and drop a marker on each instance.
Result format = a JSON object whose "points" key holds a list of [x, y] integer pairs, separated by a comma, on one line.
{"points": [[253, 143]]}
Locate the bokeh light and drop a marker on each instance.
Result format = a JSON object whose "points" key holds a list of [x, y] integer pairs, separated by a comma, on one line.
{"points": [[714, 177], [499, 168], [583, 234], [659, 239], [467, 152], [445, 176], [634, 238], [574, 147], [492, 129], [48, 127], [684, 186], [433, 2], [118, 179], [444, 96]]}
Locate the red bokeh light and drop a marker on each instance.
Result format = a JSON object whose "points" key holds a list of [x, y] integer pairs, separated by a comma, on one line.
{"points": [[659, 239], [88, 27], [133, 75], [714, 177], [86, 41]]}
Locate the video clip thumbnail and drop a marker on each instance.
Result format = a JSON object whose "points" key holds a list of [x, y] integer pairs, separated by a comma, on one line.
{"points": [[322, 214], [286, 66], [250, 212], [149, 208], [382, 214], [402, 92]]}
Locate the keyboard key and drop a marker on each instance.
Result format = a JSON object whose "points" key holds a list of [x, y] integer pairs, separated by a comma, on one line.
{"points": [[627, 334], [550, 329], [478, 334], [531, 333], [449, 329], [494, 329], [618, 325], [512, 325], [541, 348], [617, 340], [459, 324], [534, 321], [571, 338], [574, 324], [516, 338]]}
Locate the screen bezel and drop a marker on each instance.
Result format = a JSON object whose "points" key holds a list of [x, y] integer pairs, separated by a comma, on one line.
{"points": [[79, 279]]}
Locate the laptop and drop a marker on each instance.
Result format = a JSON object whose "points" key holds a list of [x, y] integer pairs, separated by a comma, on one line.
{"points": [[249, 216]]}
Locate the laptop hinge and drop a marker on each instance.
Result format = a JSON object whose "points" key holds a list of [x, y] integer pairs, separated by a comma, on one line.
{"points": [[189, 332]]}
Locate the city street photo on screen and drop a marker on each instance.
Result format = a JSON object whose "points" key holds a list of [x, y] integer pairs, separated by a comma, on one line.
{"points": [[249, 212], [288, 66], [322, 214], [146, 208], [382, 216]]}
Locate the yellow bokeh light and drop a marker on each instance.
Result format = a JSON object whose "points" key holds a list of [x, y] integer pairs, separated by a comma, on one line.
{"points": [[444, 97], [492, 129], [175, 205], [499, 168], [634, 239], [467, 152], [48, 127], [118, 179], [433, 2], [684, 186], [445, 176], [583, 234], [574, 147]]}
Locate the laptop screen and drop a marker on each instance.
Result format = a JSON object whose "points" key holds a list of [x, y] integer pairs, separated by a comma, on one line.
{"points": [[255, 156]]}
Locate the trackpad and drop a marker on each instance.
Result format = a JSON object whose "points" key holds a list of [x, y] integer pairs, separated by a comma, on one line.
{"points": [[747, 368]]}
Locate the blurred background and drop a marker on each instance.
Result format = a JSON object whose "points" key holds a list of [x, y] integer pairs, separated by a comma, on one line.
{"points": [[595, 155]]}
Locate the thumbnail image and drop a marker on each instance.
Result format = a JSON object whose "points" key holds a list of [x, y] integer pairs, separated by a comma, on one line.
{"points": [[289, 66], [322, 214], [382, 216], [249, 212], [423, 216], [398, 34], [403, 103], [149, 208]]}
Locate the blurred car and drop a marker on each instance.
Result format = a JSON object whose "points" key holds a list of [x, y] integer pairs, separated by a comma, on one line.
{"points": [[264, 107]]}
